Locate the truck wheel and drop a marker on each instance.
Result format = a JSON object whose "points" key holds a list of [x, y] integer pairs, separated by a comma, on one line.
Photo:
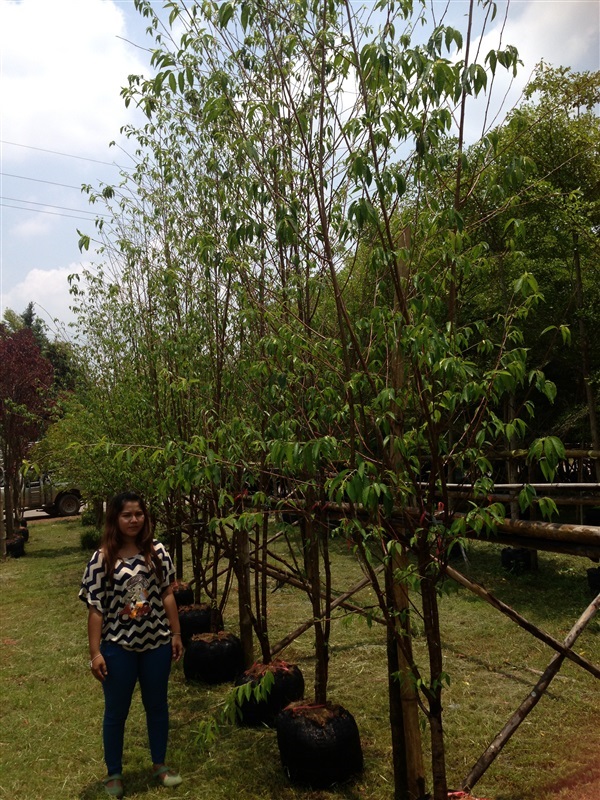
{"points": [[67, 505]]}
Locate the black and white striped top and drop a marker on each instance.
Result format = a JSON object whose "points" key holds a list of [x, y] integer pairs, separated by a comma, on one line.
{"points": [[131, 605]]}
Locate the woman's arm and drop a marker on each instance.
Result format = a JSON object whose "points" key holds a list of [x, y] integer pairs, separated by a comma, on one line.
{"points": [[170, 606], [97, 663]]}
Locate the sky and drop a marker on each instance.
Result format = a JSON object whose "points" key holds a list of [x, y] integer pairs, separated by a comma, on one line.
{"points": [[62, 66]]}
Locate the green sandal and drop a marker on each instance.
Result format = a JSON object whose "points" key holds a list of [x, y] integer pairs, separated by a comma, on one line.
{"points": [[116, 790], [166, 776]]}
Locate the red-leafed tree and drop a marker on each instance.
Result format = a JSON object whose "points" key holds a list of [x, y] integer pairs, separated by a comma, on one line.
{"points": [[25, 384]]}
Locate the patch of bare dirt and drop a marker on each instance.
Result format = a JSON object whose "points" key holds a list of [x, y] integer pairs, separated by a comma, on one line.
{"points": [[584, 785]]}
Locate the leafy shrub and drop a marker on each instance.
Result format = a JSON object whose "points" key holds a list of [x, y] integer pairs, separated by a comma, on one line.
{"points": [[90, 539], [162, 536], [88, 518]]}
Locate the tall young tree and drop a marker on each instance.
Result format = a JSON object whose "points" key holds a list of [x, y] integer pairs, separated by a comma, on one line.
{"points": [[25, 382]]}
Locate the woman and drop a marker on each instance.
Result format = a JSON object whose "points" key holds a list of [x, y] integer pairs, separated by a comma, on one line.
{"points": [[133, 632]]}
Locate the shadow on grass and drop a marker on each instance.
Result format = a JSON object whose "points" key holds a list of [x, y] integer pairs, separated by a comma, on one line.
{"points": [[485, 667], [134, 781], [140, 781], [55, 552], [93, 791], [533, 592], [248, 757]]}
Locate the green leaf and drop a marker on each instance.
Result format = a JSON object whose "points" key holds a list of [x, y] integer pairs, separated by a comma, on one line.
{"points": [[84, 242], [226, 12], [547, 507]]}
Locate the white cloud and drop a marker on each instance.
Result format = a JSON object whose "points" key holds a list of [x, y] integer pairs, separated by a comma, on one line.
{"points": [[31, 228], [49, 290], [559, 32], [565, 33], [62, 69]]}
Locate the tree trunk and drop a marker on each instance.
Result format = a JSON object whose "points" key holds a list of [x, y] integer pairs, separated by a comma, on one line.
{"points": [[98, 508], [585, 356], [9, 508], [404, 711], [179, 554], [399, 747], [513, 476], [314, 579], [261, 589], [434, 648], [407, 754], [2, 526], [242, 557]]}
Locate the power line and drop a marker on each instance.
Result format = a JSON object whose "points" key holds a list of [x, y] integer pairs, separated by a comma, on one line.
{"points": [[57, 153], [39, 180], [51, 205], [42, 211]]}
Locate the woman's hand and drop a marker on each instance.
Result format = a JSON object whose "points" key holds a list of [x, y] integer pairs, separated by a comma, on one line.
{"points": [[173, 618], [176, 647], [98, 667], [97, 662]]}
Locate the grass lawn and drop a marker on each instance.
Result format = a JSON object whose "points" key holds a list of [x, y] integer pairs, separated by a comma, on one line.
{"points": [[52, 707]]}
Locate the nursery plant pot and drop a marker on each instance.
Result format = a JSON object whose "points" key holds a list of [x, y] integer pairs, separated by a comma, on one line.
{"points": [[288, 686], [15, 547], [23, 531], [213, 657], [183, 594], [196, 618], [516, 559], [319, 745], [593, 577], [592, 516]]}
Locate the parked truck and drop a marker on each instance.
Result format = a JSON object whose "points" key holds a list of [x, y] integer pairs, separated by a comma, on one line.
{"points": [[40, 494]]}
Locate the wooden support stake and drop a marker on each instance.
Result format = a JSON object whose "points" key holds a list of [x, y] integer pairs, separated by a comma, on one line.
{"points": [[529, 702]]}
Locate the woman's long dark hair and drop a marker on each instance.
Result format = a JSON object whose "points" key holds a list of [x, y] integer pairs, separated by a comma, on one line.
{"points": [[112, 538]]}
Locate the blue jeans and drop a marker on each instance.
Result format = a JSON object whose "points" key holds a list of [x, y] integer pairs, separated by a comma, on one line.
{"points": [[125, 668]]}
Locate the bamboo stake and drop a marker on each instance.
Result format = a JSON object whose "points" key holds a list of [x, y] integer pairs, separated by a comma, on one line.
{"points": [[572, 453], [506, 497], [551, 546], [563, 650], [529, 702], [580, 540], [562, 532]]}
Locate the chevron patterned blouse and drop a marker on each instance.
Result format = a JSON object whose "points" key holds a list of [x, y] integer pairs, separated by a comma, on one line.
{"points": [[133, 611]]}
